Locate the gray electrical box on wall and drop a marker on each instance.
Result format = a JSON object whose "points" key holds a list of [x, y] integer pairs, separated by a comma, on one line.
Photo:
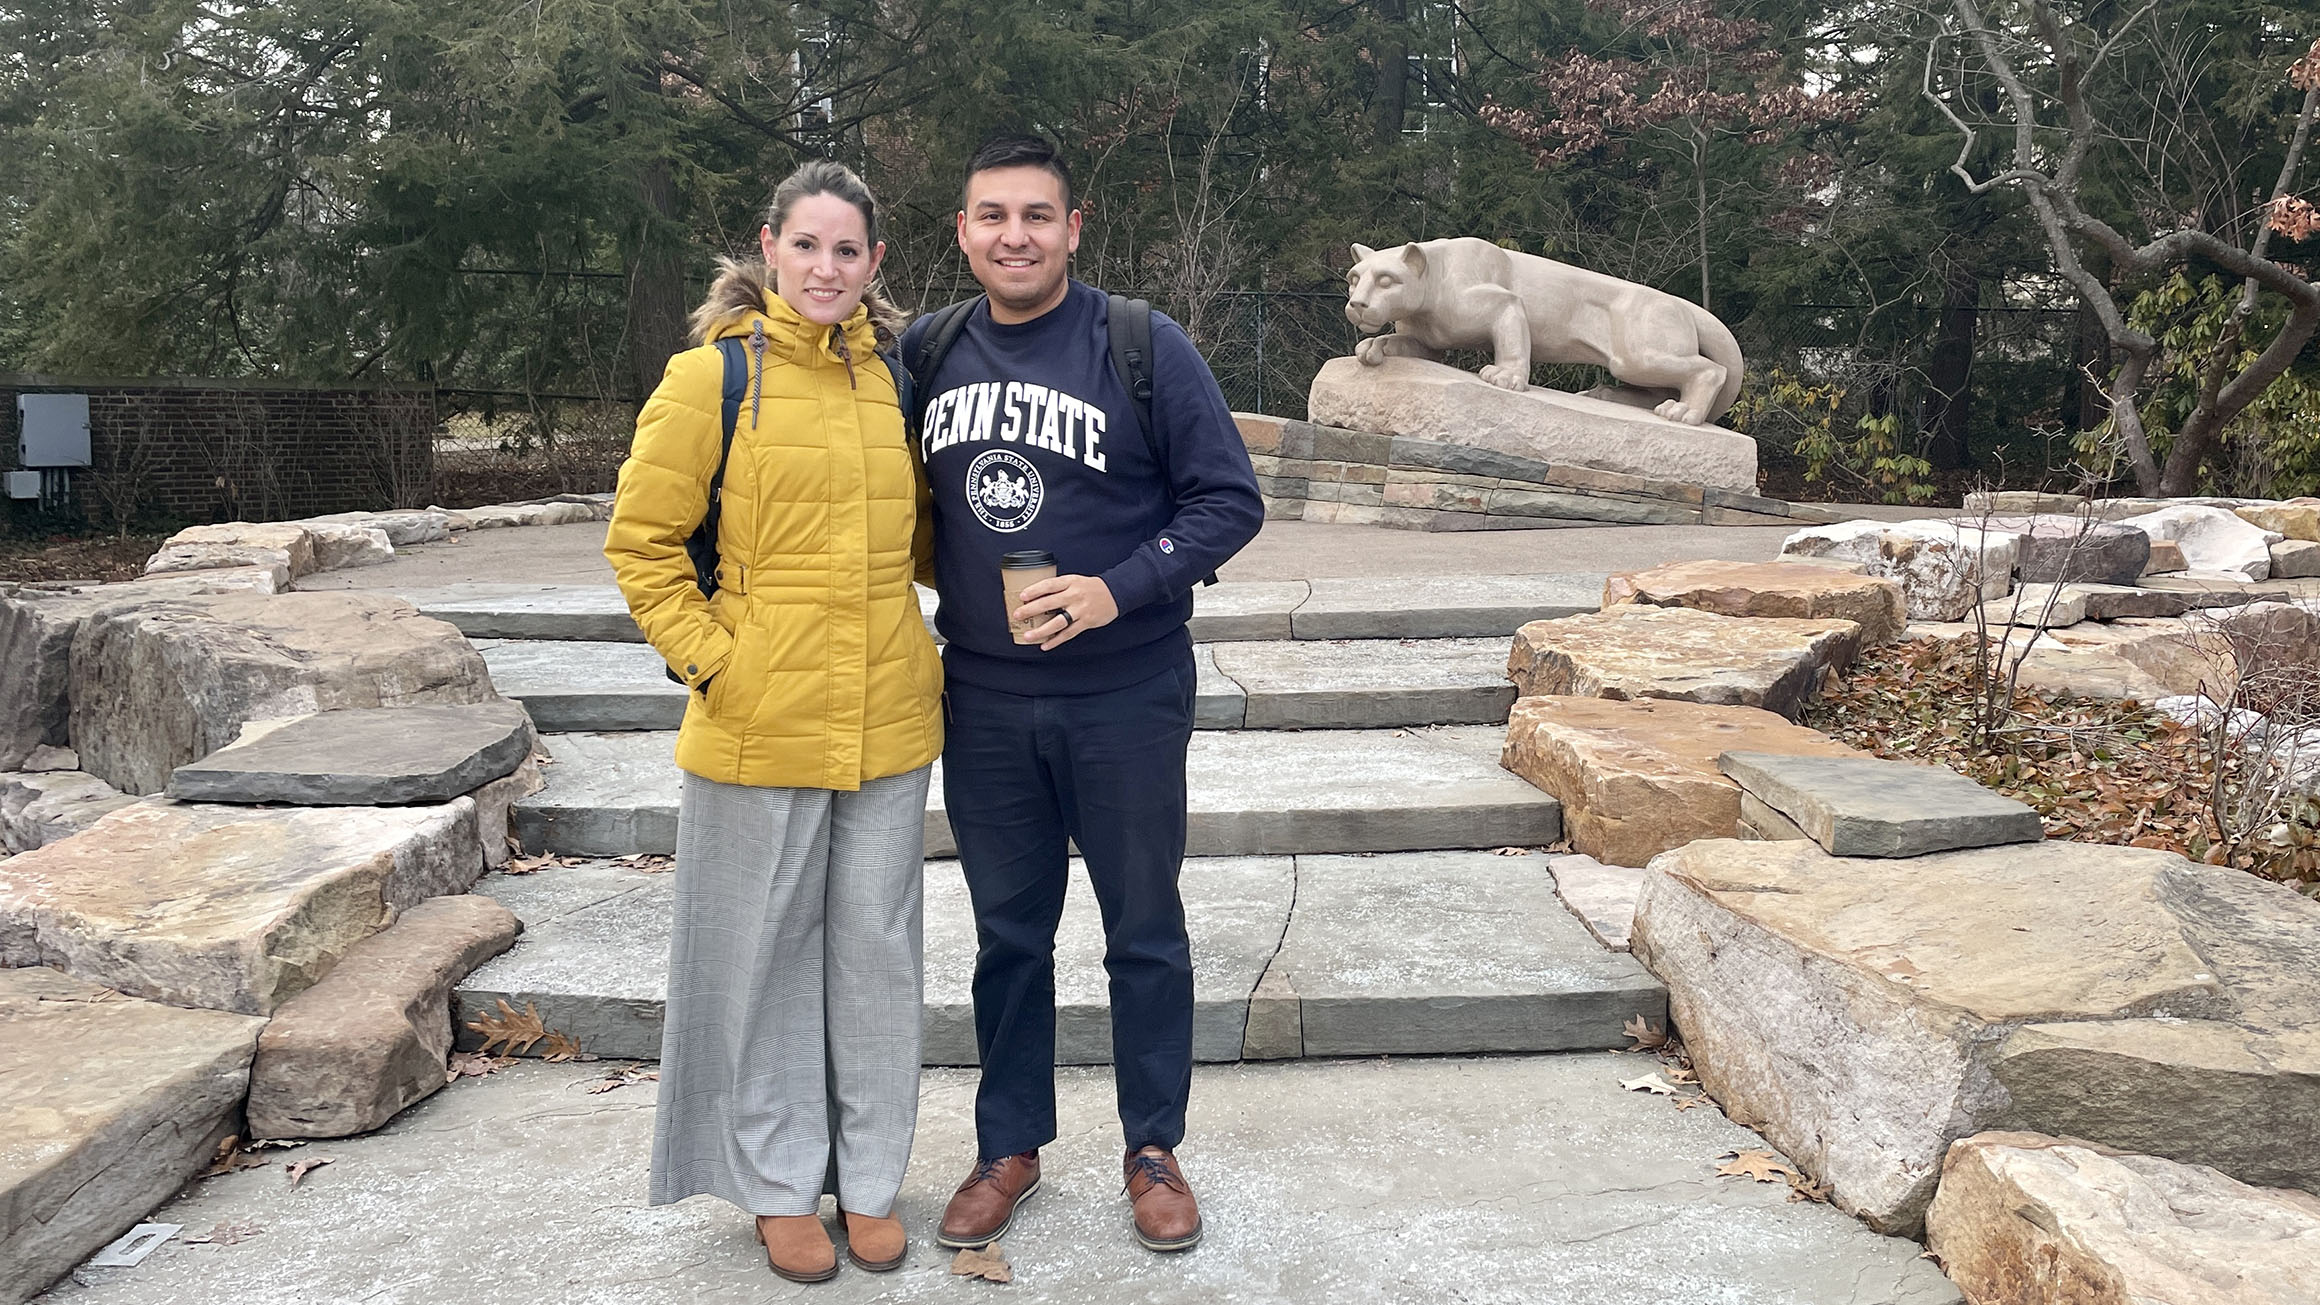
{"points": [[56, 430]]}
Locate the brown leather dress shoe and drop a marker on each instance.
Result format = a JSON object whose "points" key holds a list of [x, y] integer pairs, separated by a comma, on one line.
{"points": [[1167, 1218], [983, 1207], [875, 1244], [798, 1246]]}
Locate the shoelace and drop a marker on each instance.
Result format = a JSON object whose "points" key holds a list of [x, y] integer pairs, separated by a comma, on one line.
{"points": [[986, 1171], [1155, 1168]]}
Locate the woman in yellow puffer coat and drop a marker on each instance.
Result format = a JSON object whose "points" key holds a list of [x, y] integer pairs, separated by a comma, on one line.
{"points": [[791, 1045]]}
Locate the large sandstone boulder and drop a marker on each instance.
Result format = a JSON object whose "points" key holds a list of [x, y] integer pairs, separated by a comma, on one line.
{"points": [[37, 625], [1638, 777], [2295, 559], [236, 543], [230, 908], [1410, 396], [345, 544], [348, 1054], [2027, 1219], [2131, 658], [364, 756], [2067, 549], [401, 528], [157, 685], [1767, 589], [2297, 518], [2212, 538], [1945, 569], [1863, 1014], [107, 1106], [1629, 651]]}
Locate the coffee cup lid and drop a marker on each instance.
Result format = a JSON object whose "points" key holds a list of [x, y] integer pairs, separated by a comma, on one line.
{"points": [[1026, 559]]}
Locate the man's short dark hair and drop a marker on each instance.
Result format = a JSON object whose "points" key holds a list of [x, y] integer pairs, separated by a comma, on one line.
{"points": [[1018, 150]]}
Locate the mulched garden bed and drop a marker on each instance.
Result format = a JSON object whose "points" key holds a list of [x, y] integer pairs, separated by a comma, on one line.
{"points": [[2095, 771], [67, 557]]}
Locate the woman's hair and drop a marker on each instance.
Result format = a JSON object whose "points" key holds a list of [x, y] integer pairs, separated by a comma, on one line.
{"points": [[741, 285]]}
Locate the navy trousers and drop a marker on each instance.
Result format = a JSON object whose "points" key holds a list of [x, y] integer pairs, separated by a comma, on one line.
{"points": [[1021, 775]]}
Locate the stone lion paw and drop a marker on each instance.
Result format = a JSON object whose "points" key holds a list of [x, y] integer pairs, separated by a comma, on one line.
{"points": [[1506, 378], [1371, 350], [1676, 410]]}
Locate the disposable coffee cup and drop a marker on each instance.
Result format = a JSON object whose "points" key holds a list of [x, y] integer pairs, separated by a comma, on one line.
{"points": [[1017, 572]]}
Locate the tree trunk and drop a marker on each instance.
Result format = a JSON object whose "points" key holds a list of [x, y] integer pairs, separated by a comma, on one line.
{"points": [[1390, 105], [656, 280], [1950, 370]]}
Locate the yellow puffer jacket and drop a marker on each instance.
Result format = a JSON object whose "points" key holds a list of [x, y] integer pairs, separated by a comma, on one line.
{"points": [[819, 669]]}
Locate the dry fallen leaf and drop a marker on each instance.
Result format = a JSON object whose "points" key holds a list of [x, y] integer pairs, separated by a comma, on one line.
{"points": [[512, 1031], [1510, 851], [1652, 1083], [299, 1170], [230, 1156], [474, 1064], [988, 1263], [622, 1077], [1647, 1038], [227, 1234], [1763, 1166], [559, 1047], [1680, 1075], [1690, 1103], [1801, 1188], [651, 863]]}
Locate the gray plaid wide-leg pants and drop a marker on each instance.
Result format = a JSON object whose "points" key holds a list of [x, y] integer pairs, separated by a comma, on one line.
{"points": [[789, 1055]]}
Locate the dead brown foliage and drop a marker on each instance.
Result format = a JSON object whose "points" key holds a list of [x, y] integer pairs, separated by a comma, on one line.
{"points": [[2095, 771], [64, 557]]}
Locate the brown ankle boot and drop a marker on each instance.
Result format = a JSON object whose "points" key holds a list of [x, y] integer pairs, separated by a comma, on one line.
{"points": [[875, 1243], [1167, 1217], [798, 1246], [983, 1207]]}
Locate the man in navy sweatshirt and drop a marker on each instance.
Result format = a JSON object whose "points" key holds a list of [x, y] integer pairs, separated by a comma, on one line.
{"points": [[1078, 734]]}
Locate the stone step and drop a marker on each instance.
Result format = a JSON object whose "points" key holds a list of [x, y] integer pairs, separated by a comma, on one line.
{"points": [[1415, 607], [1402, 954], [1253, 792], [570, 685]]}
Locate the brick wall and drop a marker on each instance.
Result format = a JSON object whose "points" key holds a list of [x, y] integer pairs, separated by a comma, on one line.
{"points": [[200, 451]]}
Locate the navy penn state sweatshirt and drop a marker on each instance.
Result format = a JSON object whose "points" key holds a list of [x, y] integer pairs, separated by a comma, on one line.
{"points": [[1031, 442]]}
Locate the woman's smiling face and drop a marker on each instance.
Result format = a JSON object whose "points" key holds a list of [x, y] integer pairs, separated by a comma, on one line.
{"points": [[822, 258]]}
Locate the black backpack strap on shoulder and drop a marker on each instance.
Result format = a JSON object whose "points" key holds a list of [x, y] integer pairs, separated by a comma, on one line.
{"points": [[934, 345], [1131, 336], [701, 546]]}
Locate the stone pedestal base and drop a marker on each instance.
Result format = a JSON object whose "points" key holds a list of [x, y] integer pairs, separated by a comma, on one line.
{"points": [[1409, 396]]}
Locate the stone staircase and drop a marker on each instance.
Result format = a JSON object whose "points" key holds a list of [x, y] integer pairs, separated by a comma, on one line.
{"points": [[1343, 886]]}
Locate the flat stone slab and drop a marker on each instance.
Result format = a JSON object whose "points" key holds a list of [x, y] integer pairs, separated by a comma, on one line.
{"points": [[107, 1105], [573, 685], [1253, 792], [1639, 777], [1601, 897], [1440, 607], [1223, 613], [349, 1053], [593, 613], [1410, 396], [160, 684], [1867, 806], [1368, 683], [1218, 703], [1681, 653], [1501, 1179], [228, 908], [2022, 1219], [1426, 952], [594, 959], [376, 756], [1866, 1013], [1767, 589]]}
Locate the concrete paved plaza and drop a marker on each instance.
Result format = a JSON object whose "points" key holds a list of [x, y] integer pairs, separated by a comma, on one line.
{"points": [[1514, 1179]]}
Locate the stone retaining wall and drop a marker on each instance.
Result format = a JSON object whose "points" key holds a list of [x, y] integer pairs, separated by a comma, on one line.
{"points": [[1311, 472], [221, 450]]}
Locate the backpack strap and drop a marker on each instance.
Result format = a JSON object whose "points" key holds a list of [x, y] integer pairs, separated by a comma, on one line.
{"points": [[934, 345], [701, 546], [1130, 329]]}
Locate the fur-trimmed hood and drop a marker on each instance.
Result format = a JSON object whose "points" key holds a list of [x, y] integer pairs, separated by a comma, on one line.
{"points": [[742, 287]]}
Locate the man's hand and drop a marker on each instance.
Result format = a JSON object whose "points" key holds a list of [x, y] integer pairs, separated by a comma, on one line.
{"points": [[1070, 604]]}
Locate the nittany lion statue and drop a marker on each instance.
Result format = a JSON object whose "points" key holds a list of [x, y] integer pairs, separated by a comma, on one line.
{"points": [[1670, 355]]}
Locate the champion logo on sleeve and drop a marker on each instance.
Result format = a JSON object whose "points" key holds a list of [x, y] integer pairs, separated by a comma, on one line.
{"points": [[1167, 545]]}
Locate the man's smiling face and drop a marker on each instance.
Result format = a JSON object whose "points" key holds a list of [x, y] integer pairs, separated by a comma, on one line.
{"points": [[1018, 239]]}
